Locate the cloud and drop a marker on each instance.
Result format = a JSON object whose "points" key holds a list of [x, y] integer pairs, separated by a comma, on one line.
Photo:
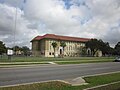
{"points": [[22, 35], [105, 17], [54, 16], [113, 36], [82, 18], [14, 3]]}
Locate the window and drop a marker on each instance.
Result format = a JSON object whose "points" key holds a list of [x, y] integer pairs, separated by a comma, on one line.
{"points": [[53, 53], [49, 53], [50, 46]]}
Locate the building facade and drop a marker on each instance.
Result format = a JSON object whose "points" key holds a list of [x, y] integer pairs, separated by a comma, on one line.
{"points": [[42, 45]]}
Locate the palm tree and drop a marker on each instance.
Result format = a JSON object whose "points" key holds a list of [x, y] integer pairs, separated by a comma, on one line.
{"points": [[63, 45], [54, 44]]}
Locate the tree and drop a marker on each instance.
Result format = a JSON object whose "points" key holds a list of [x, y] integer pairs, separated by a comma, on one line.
{"points": [[54, 44], [84, 51], [96, 45], [2, 48], [93, 44], [16, 48], [105, 48], [25, 50], [63, 45], [117, 49]]}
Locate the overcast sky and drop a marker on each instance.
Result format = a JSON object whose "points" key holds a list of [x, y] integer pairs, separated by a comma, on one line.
{"points": [[80, 18]]}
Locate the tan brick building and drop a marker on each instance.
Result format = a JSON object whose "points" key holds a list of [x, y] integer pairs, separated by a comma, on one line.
{"points": [[42, 45]]}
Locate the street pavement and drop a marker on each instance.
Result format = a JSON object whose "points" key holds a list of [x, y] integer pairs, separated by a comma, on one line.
{"points": [[38, 73]]}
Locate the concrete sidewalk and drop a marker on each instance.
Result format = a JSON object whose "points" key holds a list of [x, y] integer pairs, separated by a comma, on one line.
{"points": [[21, 64], [76, 81]]}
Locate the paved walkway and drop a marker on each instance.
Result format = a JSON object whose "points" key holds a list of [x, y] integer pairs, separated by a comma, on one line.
{"points": [[22, 64]]}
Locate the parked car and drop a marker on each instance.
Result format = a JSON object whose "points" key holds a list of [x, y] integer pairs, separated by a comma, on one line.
{"points": [[117, 59]]}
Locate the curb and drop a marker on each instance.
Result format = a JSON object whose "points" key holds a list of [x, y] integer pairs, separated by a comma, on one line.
{"points": [[24, 66], [101, 74], [35, 83]]}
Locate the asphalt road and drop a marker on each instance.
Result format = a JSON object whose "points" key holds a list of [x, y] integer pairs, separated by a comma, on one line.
{"points": [[20, 75]]}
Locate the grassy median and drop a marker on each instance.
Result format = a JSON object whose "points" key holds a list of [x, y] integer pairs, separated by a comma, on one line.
{"points": [[56, 85]]}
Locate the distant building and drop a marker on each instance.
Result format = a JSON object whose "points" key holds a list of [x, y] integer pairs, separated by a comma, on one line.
{"points": [[42, 45]]}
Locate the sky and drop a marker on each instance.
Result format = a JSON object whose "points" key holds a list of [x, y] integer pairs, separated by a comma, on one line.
{"points": [[79, 18]]}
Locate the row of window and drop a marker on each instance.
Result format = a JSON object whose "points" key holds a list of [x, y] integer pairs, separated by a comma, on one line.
{"points": [[69, 46], [67, 54], [51, 53], [68, 42]]}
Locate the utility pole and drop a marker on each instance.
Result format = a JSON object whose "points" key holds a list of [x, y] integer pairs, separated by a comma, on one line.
{"points": [[15, 27]]}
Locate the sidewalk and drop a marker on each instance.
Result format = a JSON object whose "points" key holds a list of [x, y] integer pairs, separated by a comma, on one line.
{"points": [[24, 64], [19, 64]]}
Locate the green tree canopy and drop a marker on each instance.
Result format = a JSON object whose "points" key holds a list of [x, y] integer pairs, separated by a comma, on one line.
{"points": [[25, 50], [16, 48], [117, 49], [2, 48], [54, 44], [96, 45], [105, 47], [63, 44], [93, 44]]}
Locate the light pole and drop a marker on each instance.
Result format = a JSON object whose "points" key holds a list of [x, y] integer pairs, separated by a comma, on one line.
{"points": [[15, 27]]}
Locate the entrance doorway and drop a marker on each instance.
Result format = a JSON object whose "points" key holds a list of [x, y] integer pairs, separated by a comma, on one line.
{"points": [[60, 51]]}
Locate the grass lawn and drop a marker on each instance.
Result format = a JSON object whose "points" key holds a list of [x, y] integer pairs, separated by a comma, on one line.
{"points": [[114, 86], [56, 85], [84, 61], [43, 60], [21, 63]]}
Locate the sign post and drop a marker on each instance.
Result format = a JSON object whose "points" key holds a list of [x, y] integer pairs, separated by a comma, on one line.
{"points": [[9, 53]]}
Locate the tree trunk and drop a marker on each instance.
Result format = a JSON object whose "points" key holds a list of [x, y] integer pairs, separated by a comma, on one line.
{"points": [[54, 52], [63, 53]]}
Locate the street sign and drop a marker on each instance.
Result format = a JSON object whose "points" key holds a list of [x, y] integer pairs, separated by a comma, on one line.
{"points": [[9, 52]]}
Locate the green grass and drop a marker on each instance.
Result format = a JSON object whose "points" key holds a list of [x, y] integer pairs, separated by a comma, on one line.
{"points": [[115, 86], [39, 86], [40, 59], [43, 60], [28, 63], [103, 79], [84, 61], [56, 85]]}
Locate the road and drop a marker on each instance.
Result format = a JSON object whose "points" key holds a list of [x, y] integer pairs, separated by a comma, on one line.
{"points": [[20, 75]]}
